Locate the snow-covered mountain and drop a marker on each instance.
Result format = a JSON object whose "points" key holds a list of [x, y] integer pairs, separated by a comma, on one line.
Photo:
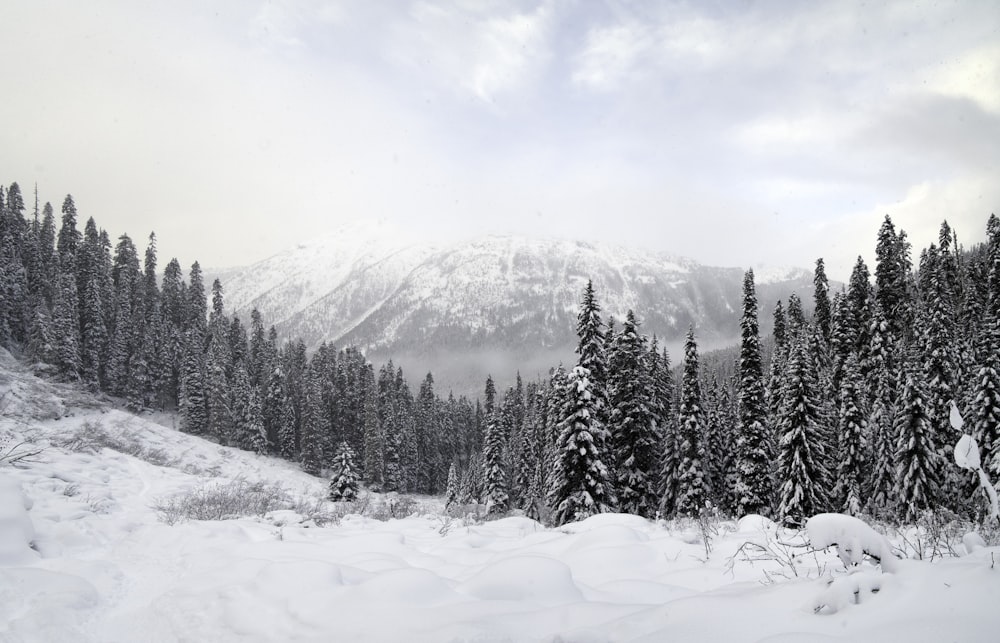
{"points": [[491, 304]]}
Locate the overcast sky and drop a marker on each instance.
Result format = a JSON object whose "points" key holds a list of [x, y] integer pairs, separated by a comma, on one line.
{"points": [[734, 133]]}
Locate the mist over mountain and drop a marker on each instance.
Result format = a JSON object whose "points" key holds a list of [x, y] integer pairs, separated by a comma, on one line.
{"points": [[489, 305]]}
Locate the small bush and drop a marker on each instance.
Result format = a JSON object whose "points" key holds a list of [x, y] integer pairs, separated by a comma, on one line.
{"points": [[226, 501]]}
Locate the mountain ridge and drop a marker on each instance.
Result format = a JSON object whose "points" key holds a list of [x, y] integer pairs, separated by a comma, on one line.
{"points": [[487, 304]]}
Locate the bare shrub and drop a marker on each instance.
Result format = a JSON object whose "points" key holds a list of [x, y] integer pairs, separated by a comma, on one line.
{"points": [[223, 501], [91, 437], [788, 556], [18, 452]]}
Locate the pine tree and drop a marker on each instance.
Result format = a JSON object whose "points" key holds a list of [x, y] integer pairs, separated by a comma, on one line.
{"points": [[801, 452], [451, 491], [859, 302], [891, 270], [193, 406], [986, 399], [754, 450], [692, 493], [852, 429], [494, 475], [635, 438], [821, 299], [374, 469], [344, 482], [882, 481], [582, 483], [313, 424], [592, 352], [918, 463]]}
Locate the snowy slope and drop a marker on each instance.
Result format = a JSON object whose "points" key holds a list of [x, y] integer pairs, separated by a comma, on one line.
{"points": [[103, 567]]}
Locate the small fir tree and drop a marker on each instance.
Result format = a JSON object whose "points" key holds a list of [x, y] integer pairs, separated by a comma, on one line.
{"points": [[344, 481]]}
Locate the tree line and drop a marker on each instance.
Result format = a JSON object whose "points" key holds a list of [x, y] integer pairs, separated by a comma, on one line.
{"points": [[103, 315], [848, 412], [842, 410]]}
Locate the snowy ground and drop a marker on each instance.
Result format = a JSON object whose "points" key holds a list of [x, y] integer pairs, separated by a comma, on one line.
{"points": [[103, 566]]}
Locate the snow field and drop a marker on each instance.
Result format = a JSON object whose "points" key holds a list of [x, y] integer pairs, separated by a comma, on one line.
{"points": [[84, 556]]}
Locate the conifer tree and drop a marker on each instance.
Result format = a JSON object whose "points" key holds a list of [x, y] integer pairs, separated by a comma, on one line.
{"points": [[986, 399], [452, 491], [692, 493], [801, 452], [754, 453], [494, 475], [65, 327], [635, 438], [918, 463], [193, 405], [891, 270], [592, 352], [374, 469], [344, 482], [821, 297], [882, 481], [852, 426], [582, 485], [313, 424]]}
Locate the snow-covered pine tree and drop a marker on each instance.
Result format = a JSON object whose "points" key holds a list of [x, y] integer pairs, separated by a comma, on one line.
{"points": [[986, 398], [937, 347], [822, 314], [494, 476], [860, 302], [918, 463], [94, 333], [582, 485], [634, 435], [852, 445], [65, 327], [451, 491], [692, 493], [882, 444], [374, 469], [313, 424], [892, 270], [754, 453], [591, 349], [344, 481], [801, 451], [193, 406]]}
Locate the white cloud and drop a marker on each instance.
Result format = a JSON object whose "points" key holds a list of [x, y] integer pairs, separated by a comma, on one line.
{"points": [[484, 49], [975, 75]]}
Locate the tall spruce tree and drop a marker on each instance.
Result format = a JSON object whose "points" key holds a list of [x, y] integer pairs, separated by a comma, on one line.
{"points": [[918, 463], [754, 448], [852, 428], [582, 482], [635, 437], [801, 473], [692, 493]]}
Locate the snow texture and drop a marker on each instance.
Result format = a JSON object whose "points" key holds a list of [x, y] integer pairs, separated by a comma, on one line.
{"points": [[86, 559]]}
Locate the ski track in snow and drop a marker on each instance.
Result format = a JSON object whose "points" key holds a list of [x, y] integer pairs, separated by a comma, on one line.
{"points": [[108, 570]]}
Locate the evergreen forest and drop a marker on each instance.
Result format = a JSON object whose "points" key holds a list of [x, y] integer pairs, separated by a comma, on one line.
{"points": [[844, 410]]}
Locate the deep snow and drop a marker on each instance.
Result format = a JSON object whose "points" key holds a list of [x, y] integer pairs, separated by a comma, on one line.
{"points": [[103, 567]]}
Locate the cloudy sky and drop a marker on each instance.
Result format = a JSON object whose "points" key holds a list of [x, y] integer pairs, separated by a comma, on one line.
{"points": [[735, 133]]}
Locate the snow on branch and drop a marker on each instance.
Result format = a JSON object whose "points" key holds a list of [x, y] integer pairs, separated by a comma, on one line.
{"points": [[853, 538]]}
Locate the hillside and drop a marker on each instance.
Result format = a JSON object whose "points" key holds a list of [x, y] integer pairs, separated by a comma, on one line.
{"points": [[97, 544]]}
